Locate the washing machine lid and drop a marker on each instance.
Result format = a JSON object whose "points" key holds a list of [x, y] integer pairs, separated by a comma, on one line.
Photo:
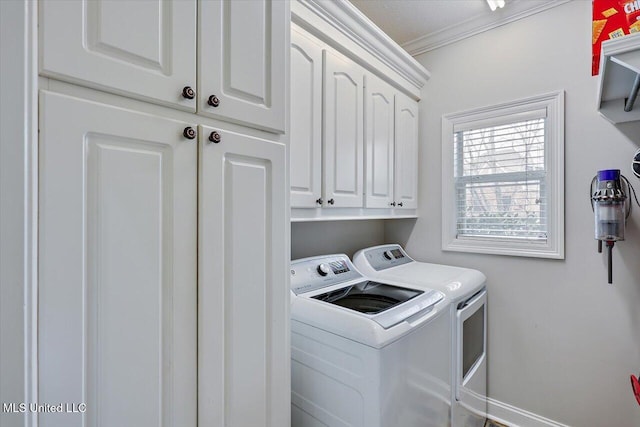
{"points": [[333, 280], [368, 297], [387, 305]]}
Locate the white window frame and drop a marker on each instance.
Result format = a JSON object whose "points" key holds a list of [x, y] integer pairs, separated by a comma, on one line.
{"points": [[553, 104]]}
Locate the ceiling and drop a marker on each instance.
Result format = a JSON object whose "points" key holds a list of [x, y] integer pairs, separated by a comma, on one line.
{"points": [[423, 25]]}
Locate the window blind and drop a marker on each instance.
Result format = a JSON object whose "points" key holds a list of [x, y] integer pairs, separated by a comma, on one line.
{"points": [[500, 181]]}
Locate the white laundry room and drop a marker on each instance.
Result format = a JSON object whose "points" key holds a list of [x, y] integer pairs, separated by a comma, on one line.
{"points": [[306, 213]]}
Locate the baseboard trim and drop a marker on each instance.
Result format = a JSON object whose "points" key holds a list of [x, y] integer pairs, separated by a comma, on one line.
{"points": [[513, 416]]}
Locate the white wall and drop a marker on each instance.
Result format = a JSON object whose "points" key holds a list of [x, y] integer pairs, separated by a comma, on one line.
{"points": [[15, 206], [562, 342], [329, 237]]}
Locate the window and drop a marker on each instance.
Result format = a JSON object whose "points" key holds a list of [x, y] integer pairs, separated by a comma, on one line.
{"points": [[503, 180]]}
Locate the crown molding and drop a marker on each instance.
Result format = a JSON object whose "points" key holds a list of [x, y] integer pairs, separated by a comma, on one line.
{"points": [[514, 11], [347, 20]]}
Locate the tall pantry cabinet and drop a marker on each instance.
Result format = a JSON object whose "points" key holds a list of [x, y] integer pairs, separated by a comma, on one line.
{"points": [[163, 213]]}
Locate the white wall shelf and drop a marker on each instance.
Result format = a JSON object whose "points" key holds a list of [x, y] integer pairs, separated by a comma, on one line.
{"points": [[619, 68], [348, 214]]}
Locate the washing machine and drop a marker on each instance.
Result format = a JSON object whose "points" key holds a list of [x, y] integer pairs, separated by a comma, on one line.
{"points": [[366, 353], [465, 289]]}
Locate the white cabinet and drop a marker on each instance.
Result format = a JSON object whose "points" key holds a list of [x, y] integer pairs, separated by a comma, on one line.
{"points": [[391, 149], [163, 251], [147, 50], [142, 49], [354, 147], [379, 145], [117, 254], [406, 153], [163, 271], [243, 369], [305, 144], [241, 68], [343, 132]]}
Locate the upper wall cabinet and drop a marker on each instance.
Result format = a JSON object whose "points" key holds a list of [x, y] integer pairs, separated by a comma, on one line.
{"points": [[141, 49], [242, 48], [343, 132], [354, 117], [391, 147], [619, 79], [406, 152], [147, 50], [305, 144], [379, 145]]}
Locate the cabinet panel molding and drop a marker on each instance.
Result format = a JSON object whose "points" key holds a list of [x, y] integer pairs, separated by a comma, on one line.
{"points": [[243, 304], [406, 167], [379, 143], [343, 132], [243, 48], [306, 121], [117, 253], [143, 49]]}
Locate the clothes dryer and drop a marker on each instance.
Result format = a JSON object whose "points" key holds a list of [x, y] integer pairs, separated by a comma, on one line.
{"points": [[466, 292], [366, 353]]}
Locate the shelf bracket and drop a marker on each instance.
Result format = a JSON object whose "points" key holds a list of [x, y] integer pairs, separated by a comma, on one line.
{"points": [[628, 106]]}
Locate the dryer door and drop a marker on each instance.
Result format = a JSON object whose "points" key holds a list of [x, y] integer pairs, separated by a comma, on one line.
{"points": [[471, 369]]}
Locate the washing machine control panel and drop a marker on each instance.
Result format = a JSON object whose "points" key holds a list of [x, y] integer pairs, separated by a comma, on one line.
{"points": [[313, 273], [323, 269], [383, 257]]}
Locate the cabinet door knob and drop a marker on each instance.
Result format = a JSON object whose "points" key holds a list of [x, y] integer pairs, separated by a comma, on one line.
{"points": [[215, 137], [189, 132], [319, 201], [392, 204], [330, 201], [213, 100], [188, 92], [400, 204]]}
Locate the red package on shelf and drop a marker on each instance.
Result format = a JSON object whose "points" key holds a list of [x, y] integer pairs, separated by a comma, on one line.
{"points": [[612, 19]]}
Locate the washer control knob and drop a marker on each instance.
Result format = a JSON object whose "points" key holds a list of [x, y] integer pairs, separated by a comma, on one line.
{"points": [[323, 269], [388, 255]]}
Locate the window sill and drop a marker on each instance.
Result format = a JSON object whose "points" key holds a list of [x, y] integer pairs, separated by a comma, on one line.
{"points": [[494, 247]]}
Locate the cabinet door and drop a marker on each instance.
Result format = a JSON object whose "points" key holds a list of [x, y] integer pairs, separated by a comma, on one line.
{"points": [[244, 355], [117, 255], [305, 146], [242, 61], [343, 132], [141, 49], [379, 145], [406, 173]]}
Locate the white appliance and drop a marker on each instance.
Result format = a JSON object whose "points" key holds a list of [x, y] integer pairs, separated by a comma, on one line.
{"points": [[366, 353], [466, 292]]}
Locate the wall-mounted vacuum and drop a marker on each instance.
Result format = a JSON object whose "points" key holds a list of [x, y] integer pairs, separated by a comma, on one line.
{"points": [[612, 207]]}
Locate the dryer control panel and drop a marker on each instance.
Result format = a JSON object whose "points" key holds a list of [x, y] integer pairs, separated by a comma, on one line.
{"points": [[309, 274], [387, 256]]}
